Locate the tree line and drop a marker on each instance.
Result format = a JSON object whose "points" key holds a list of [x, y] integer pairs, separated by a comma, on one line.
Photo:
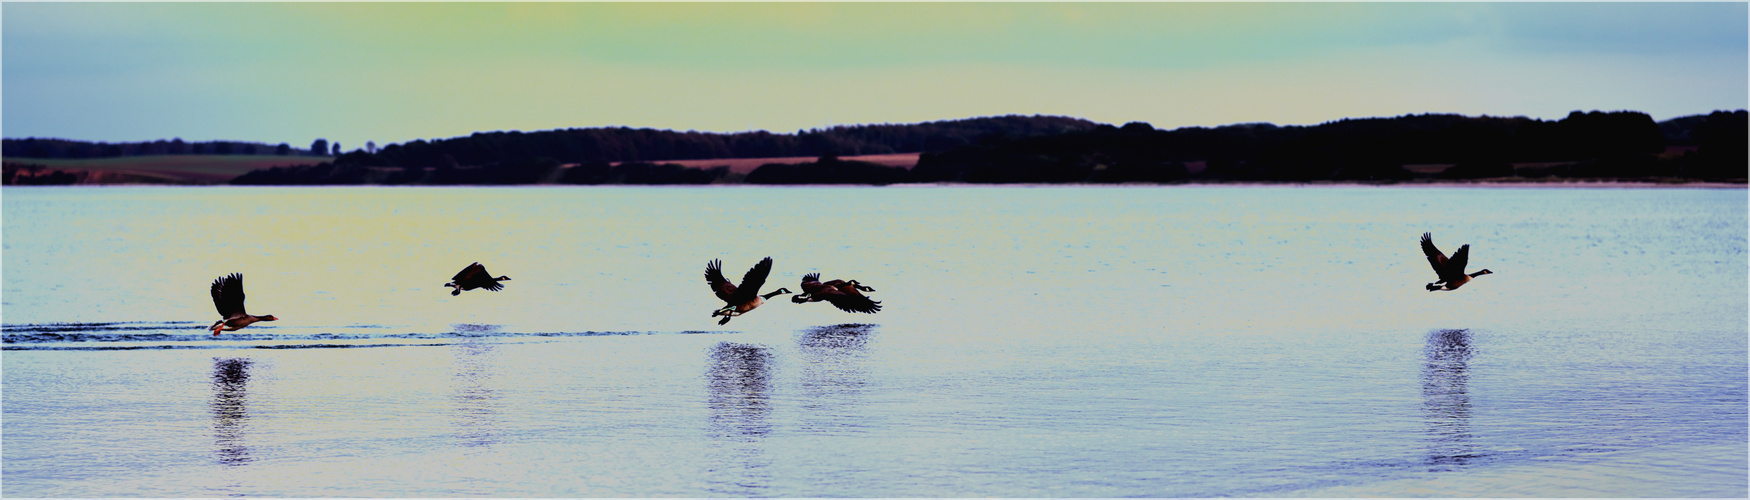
{"points": [[602, 144], [1621, 144], [1047, 149], [70, 149], [622, 144]]}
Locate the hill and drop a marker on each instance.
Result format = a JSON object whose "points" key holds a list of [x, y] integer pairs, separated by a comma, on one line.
{"points": [[1620, 145]]}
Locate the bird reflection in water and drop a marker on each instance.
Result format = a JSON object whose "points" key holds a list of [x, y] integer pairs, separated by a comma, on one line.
{"points": [[836, 341], [834, 376], [230, 410], [476, 415], [739, 381], [1446, 400]]}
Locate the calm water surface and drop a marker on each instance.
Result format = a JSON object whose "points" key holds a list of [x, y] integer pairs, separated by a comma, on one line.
{"points": [[1034, 342]]}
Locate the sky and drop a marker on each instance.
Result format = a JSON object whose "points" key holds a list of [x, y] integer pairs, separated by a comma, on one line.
{"points": [[395, 72]]}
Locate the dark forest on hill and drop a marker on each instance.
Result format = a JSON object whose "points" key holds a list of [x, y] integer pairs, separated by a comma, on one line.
{"points": [[586, 145], [70, 149], [1045, 149], [1582, 145]]}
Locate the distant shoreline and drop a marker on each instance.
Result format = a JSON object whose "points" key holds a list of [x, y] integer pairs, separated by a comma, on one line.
{"points": [[1525, 184], [218, 170]]}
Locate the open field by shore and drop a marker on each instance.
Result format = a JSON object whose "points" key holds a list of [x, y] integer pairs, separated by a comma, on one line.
{"points": [[745, 165], [169, 169]]}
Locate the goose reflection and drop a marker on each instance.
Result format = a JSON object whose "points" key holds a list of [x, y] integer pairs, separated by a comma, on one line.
{"points": [[476, 414], [739, 383], [230, 410], [1446, 402], [834, 376], [836, 341], [473, 330], [740, 386]]}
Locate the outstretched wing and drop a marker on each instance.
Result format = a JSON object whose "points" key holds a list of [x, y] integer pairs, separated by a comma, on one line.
{"points": [[1455, 265], [719, 284], [810, 277], [752, 281], [852, 302], [228, 295], [1435, 258], [471, 272], [491, 284]]}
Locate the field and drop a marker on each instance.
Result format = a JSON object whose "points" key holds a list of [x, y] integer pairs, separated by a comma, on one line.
{"points": [[174, 169], [745, 165]]}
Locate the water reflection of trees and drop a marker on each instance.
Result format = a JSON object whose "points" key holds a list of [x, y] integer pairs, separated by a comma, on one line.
{"points": [[476, 414], [1446, 402], [739, 383], [230, 410]]}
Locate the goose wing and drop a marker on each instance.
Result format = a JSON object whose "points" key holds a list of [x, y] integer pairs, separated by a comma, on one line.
{"points": [[1455, 265], [228, 296], [719, 285], [852, 302], [815, 288], [1435, 258], [472, 272], [752, 281]]}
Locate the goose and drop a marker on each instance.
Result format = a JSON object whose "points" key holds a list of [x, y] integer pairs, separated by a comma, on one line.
{"points": [[744, 298], [228, 297], [475, 276], [844, 295], [1451, 271]]}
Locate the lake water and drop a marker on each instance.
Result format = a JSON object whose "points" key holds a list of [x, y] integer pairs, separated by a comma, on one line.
{"points": [[1033, 342]]}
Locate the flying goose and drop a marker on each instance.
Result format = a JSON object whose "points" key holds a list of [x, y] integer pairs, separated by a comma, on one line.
{"points": [[475, 276], [844, 295], [744, 298], [228, 297], [1451, 271]]}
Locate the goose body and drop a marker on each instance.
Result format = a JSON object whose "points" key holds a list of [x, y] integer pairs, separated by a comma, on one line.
{"points": [[228, 298], [740, 299], [845, 295], [475, 276], [1450, 271]]}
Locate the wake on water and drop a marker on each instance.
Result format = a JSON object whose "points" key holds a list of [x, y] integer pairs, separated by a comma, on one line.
{"points": [[194, 335]]}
